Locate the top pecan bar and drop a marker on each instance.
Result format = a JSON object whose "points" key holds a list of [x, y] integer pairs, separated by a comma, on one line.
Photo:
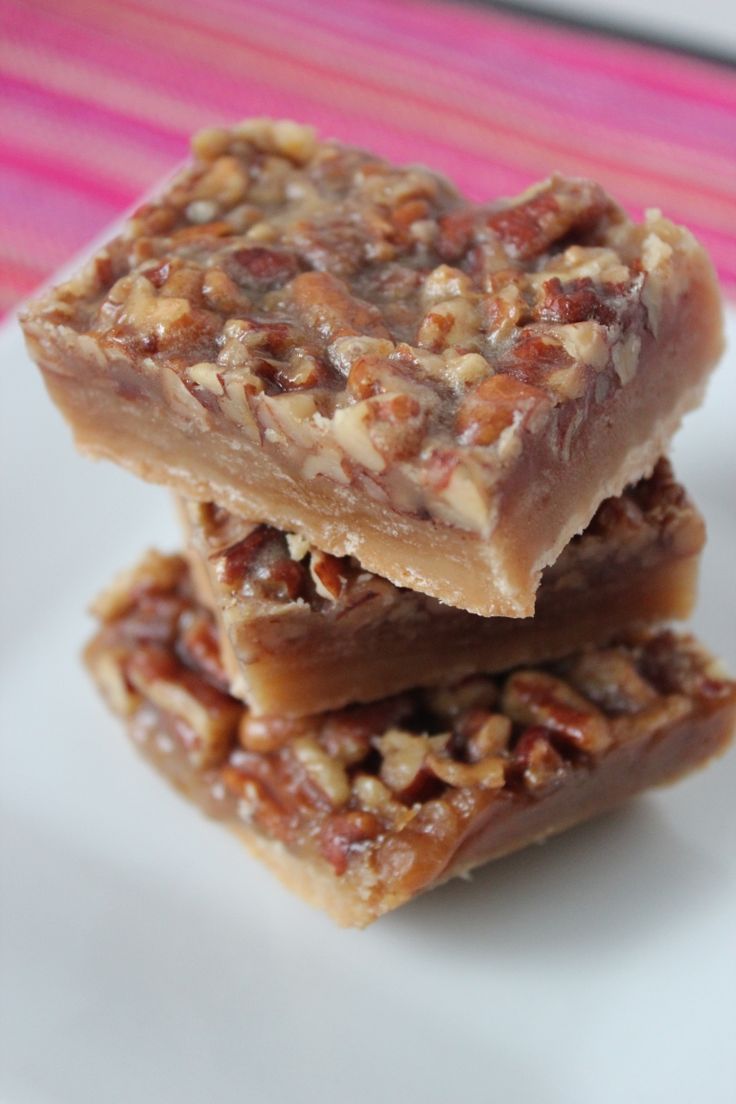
{"points": [[303, 333]]}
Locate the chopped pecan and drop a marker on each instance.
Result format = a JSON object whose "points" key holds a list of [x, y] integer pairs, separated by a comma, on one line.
{"points": [[209, 715], [611, 680], [237, 561], [372, 375], [540, 764], [374, 796], [456, 232], [322, 770], [488, 772], [261, 267], [261, 562], [199, 647], [575, 301], [403, 762], [224, 181], [533, 356], [330, 574], [451, 323], [150, 323], [343, 833], [378, 430], [325, 303], [265, 734], [494, 405], [544, 218], [347, 733], [490, 737], [676, 671], [532, 697]]}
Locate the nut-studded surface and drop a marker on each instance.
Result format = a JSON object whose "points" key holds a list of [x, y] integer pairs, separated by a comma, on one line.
{"points": [[387, 799], [363, 325], [306, 631]]}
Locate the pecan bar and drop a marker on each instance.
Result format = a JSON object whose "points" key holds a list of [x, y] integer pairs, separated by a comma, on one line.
{"points": [[307, 335], [360, 810], [304, 631]]}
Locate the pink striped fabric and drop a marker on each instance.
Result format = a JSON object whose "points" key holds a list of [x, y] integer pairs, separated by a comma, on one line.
{"points": [[97, 100]]}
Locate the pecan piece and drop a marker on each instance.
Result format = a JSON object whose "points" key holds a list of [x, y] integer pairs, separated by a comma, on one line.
{"points": [[259, 267], [265, 734], [533, 357], [237, 561], [611, 680], [322, 770], [261, 562], [326, 304], [452, 322], [198, 646], [347, 733], [372, 375], [549, 215], [492, 407], [342, 833], [456, 232], [209, 716], [488, 773], [375, 431], [540, 764], [329, 574], [536, 698], [575, 301], [490, 737]]}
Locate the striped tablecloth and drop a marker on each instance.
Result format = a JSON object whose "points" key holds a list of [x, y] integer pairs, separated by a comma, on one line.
{"points": [[97, 99]]}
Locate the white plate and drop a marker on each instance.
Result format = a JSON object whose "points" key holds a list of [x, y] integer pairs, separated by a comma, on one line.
{"points": [[146, 958]]}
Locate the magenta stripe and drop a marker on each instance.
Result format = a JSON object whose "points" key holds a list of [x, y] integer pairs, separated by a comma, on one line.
{"points": [[552, 152], [508, 68], [715, 171], [96, 99], [60, 217], [641, 65], [164, 141], [11, 157], [469, 29]]}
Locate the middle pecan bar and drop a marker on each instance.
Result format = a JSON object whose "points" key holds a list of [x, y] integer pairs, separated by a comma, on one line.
{"points": [[361, 809], [305, 631], [307, 335]]}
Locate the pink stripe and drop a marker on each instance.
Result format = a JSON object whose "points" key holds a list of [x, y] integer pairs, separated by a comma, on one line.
{"points": [[715, 169], [56, 219], [383, 58], [163, 140], [437, 53], [640, 65], [556, 153], [96, 99], [63, 175], [445, 29]]}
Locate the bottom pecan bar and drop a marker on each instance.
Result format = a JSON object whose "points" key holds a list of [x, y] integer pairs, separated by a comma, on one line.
{"points": [[361, 809]]}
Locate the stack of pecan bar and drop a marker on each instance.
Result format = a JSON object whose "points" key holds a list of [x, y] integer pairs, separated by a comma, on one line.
{"points": [[431, 541]]}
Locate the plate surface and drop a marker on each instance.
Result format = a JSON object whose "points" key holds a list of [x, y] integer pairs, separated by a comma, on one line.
{"points": [[144, 957]]}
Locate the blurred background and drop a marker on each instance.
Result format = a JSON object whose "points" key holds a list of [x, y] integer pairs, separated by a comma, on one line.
{"points": [[98, 98]]}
